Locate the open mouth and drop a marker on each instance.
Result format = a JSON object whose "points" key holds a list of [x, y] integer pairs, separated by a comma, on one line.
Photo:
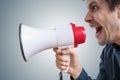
{"points": [[98, 30]]}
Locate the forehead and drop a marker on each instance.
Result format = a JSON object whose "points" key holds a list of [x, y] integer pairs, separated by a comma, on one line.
{"points": [[89, 2]]}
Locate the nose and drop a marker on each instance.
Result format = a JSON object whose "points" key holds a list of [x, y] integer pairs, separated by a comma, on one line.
{"points": [[88, 17]]}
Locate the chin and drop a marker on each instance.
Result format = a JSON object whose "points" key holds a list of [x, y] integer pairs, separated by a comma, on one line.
{"points": [[101, 43]]}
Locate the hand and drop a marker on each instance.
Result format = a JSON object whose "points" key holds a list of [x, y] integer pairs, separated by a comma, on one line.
{"points": [[62, 63]]}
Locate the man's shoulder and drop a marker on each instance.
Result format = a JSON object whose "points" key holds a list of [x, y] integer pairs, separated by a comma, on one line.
{"points": [[108, 46], [107, 49]]}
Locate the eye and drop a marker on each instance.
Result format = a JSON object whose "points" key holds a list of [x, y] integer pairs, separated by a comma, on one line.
{"points": [[94, 8]]}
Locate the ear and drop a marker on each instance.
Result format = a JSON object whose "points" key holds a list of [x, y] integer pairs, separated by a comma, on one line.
{"points": [[118, 11]]}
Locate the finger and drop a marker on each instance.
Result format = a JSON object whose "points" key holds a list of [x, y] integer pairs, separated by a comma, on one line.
{"points": [[61, 63], [61, 67], [66, 51], [57, 51], [61, 58], [69, 51]]}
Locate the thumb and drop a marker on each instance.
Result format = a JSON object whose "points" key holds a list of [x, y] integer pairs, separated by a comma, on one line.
{"points": [[66, 51]]}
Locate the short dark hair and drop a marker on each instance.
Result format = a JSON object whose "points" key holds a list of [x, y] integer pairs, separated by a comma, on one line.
{"points": [[112, 4]]}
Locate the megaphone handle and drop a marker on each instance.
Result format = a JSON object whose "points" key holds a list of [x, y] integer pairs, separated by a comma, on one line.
{"points": [[67, 57], [61, 72]]}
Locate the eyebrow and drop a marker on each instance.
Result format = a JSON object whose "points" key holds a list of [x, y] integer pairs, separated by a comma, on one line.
{"points": [[91, 4]]}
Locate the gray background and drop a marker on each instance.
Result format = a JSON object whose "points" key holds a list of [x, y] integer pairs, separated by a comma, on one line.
{"points": [[42, 14]]}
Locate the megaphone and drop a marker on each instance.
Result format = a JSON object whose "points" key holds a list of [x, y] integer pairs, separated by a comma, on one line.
{"points": [[34, 40]]}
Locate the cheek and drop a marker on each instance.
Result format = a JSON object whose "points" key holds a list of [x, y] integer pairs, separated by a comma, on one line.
{"points": [[109, 22], [100, 18], [112, 27], [104, 22], [112, 22]]}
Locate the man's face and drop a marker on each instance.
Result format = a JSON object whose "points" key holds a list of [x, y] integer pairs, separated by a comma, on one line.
{"points": [[104, 21]]}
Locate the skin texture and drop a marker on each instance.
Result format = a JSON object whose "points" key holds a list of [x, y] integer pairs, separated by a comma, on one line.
{"points": [[107, 26], [101, 16]]}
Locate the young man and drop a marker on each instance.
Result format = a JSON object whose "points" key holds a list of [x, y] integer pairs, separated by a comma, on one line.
{"points": [[104, 17]]}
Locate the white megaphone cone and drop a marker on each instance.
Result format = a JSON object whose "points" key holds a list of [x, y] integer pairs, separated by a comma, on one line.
{"points": [[34, 40]]}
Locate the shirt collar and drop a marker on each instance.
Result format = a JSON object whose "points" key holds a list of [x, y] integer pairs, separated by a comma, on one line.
{"points": [[116, 46]]}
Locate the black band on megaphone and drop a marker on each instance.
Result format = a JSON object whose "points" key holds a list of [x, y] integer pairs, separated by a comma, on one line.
{"points": [[21, 46]]}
